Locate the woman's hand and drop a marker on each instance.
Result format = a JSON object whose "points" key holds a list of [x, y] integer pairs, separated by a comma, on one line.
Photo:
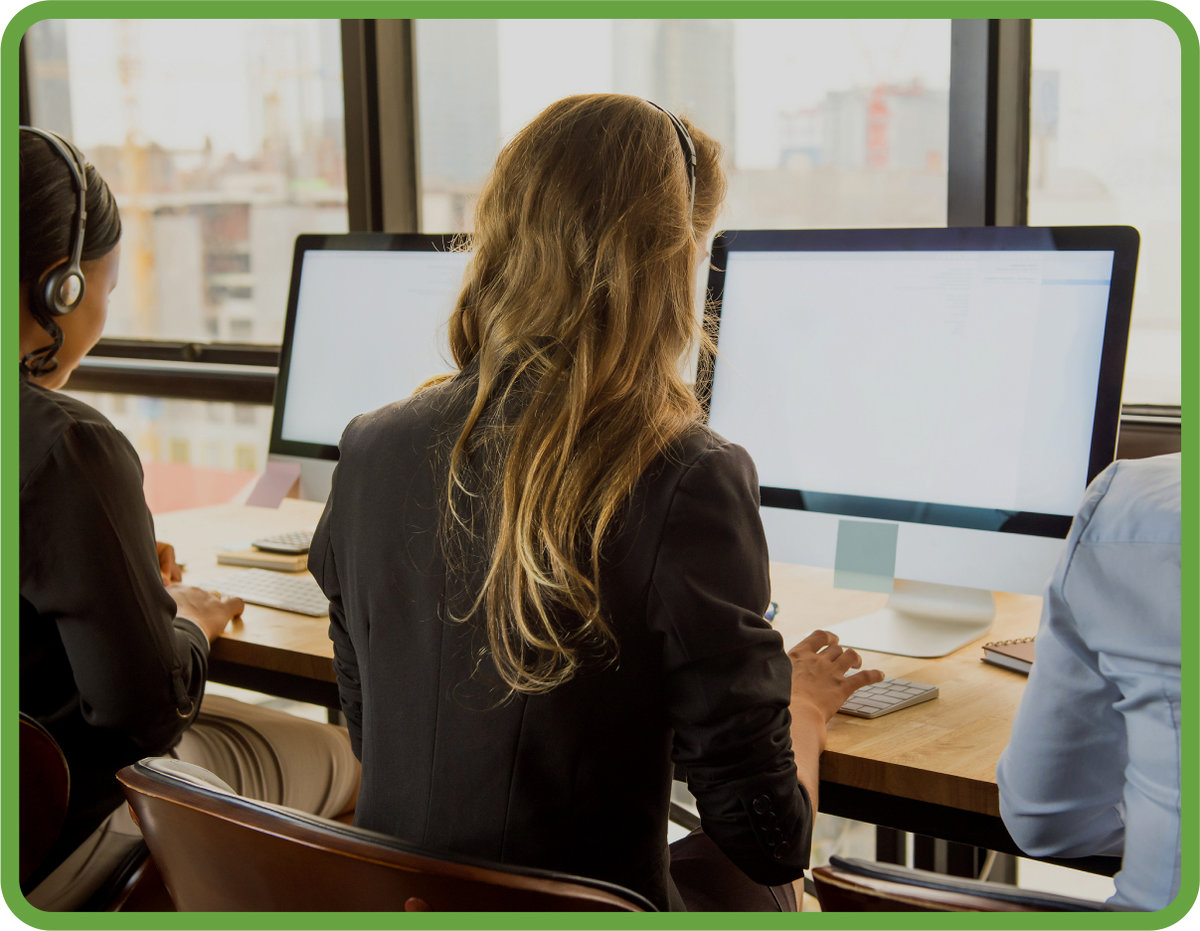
{"points": [[210, 610], [819, 667], [170, 569]]}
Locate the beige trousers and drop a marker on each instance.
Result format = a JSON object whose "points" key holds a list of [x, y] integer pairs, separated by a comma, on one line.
{"points": [[262, 753]]}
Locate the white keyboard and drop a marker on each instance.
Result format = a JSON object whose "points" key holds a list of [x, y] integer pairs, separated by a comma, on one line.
{"points": [[880, 698], [292, 542], [297, 593]]}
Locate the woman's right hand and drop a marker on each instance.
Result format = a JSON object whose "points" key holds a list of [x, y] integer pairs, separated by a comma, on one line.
{"points": [[209, 609], [819, 667]]}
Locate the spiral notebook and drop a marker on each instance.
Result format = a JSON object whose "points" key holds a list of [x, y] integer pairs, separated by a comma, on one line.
{"points": [[1011, 654]]}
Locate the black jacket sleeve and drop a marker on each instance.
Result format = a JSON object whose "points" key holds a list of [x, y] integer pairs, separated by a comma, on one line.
{"points": [[345, 660], [89, 565], [728, 677]]}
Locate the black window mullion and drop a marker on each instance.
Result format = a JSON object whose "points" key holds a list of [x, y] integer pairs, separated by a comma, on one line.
{"points": [[989, 123], [187, 351], [236, 384]]}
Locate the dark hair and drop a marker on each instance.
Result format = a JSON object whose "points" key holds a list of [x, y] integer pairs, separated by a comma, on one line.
{"points": [[49, 202]]}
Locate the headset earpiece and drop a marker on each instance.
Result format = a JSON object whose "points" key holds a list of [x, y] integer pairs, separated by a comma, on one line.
{"points": [[61, 289]]}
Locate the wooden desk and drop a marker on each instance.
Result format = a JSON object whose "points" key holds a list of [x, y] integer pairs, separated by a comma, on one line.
{"points": [[270, 651], [928, 769]]}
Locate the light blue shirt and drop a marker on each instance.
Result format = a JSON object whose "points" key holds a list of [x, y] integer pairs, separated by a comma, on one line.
{"points": [[1093, 763]]}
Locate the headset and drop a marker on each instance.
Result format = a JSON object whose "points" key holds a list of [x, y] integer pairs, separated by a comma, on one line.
{"points": [[61, 289], [689, 153]]}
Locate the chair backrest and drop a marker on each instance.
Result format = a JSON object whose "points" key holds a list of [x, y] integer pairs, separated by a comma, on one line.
{"points": [[45, 788], [219, 851], [852, 885]]}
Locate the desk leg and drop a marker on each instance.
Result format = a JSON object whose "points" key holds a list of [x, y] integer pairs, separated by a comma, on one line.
{"points": [[891, 846], [942, 856], [953, 859]]}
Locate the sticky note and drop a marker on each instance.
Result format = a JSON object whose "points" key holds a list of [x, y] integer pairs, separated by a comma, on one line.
{"points": [[866, 556]]}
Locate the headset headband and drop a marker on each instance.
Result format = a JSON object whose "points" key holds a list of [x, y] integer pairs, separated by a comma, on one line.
{"points": [[689, 152], [63, 287]]}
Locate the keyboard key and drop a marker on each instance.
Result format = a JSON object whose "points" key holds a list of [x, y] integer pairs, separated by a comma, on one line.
{"points": [[294, 542], [880, 698]]}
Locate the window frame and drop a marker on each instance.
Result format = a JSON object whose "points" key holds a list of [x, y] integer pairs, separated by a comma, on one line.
{"points": [[988, 157]]}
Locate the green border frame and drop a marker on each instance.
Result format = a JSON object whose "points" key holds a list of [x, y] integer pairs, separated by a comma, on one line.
{"points": [[633, 9]]}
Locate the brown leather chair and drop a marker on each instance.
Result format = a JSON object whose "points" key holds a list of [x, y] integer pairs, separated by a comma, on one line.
{"points": [[852, 885], [219, 851], [45, 788], [44, 793]]}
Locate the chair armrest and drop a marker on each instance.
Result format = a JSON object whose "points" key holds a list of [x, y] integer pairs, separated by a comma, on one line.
{"points": [[919, 882]]}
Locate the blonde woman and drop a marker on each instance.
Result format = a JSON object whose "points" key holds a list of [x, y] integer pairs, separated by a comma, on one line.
{"points": [[547, 578]]}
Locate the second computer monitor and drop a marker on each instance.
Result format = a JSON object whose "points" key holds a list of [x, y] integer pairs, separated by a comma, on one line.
{"points": [[365, 326], [925, 405]]}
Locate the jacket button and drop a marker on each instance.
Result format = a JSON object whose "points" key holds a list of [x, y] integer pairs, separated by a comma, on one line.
{"points": [[782, 849], [762, 804]]}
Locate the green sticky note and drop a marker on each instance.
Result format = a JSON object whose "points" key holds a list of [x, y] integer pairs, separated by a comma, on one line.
{"points": [[866, 556]]}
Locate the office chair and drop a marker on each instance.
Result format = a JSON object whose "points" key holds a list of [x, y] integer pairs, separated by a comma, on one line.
{"points": [[219, 851], [44, 793], [45, 788], [853, 885]]}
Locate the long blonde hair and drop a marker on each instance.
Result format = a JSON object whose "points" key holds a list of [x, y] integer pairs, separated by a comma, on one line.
{"points": [[577, 306]]}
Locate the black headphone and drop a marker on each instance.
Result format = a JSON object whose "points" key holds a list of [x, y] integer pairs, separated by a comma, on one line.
{"points": [[689, 153], [61, 289]]}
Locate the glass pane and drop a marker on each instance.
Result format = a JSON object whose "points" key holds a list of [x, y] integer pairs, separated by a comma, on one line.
{"points": [[1105, 148], [825, 123], [221, 139], [194, 453]]}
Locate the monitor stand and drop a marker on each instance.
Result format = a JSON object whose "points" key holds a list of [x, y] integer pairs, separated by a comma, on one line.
{"points": [[316, 475], [921, 619]]}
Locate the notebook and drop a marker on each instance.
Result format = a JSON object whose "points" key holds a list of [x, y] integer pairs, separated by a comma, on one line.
{"points": [[244, 555], [1011, 654]]}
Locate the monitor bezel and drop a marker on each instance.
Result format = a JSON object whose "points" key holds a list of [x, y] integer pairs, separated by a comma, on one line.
{"points": [[323, 242], [1122, 241]]}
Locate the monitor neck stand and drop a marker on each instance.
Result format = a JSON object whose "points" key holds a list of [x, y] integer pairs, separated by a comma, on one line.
{"points": [[921, 619]]}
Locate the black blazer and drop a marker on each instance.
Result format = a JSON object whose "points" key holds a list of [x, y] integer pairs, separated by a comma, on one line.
{"points": [[577, 779]]}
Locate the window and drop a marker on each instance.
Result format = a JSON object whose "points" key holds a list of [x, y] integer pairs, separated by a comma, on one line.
{"points": [[210, 203], [193, 452], [1105, 148], [825, 123]]}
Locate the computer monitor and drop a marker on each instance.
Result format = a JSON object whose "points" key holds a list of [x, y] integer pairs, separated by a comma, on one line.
{"points": [[365, 326], [925, 406]]}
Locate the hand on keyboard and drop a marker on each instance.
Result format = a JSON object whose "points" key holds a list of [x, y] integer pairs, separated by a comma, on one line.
{"points": [[212, 610], [819, 672]]}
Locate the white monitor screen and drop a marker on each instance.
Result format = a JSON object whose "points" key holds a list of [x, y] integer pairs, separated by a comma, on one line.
{"points": [[368, 327], [959, 378], [963, 384]]}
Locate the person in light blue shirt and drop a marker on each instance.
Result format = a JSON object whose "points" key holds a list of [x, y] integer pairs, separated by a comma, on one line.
{"points": [[1093, 765]]}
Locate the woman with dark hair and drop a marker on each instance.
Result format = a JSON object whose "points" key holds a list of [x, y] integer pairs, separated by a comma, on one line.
{"points": [[547, 578], [114, 651]]}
